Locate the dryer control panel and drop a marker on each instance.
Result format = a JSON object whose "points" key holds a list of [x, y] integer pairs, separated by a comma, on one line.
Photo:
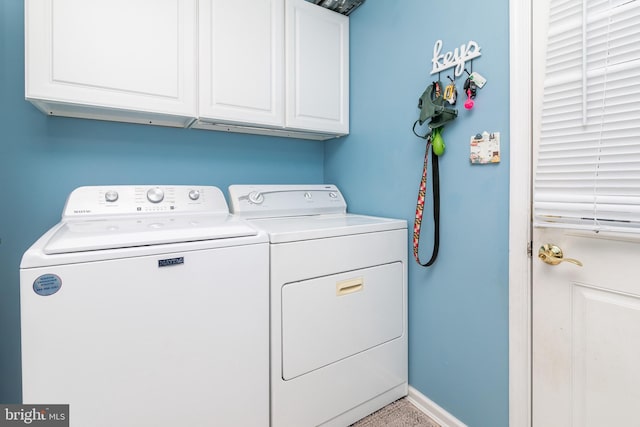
{"points": [[144, 200], [262, 201]]}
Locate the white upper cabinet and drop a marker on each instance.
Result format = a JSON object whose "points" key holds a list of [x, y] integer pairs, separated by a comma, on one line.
{"points": [[317, 68], [245, 85], [124, 60], [241, 61], [274, 67]]}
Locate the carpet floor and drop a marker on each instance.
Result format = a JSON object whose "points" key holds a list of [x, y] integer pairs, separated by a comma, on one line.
{"points": [[400, 413]]}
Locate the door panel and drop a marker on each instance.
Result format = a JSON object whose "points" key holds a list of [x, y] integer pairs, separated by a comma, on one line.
{"points": [[606, 325], [134, 55], [586, 331], [317, 68], [241, 63]]}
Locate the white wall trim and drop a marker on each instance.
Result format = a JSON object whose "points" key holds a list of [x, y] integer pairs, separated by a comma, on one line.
{"points": [[520, 144], [435, 412]]}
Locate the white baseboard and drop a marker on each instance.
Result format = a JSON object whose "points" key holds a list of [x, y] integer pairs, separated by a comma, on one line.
{"points": [[435, 412]]}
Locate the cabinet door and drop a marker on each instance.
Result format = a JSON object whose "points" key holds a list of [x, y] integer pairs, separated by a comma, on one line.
{"points": [[241, 61], [317, 68], [123, 55]]}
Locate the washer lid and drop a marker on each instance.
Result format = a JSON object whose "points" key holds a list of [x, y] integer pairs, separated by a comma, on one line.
{"points": [[293, 229], [113, 233]]}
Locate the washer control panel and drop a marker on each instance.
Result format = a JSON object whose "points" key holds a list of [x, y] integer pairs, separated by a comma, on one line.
{"points": [[255, 201], [144, 200]]}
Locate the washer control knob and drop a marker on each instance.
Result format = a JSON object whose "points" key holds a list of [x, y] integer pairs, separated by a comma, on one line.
{"points": [[111, 196], [307, 195], [333, 195], [256, 197], [194, 194], [155, 195]]}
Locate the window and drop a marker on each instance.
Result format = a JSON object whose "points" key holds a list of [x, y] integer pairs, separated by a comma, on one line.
{"points": [[588, 168]]}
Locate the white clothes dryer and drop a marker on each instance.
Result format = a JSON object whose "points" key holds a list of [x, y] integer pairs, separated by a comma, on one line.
{"points": [[338, 303], [148, 306]]}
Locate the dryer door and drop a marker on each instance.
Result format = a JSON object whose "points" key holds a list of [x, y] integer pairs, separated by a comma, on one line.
{"points": [[330, 318]]}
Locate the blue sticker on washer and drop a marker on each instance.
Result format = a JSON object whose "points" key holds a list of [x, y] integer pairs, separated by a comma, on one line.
{"points": [[47, 284]]}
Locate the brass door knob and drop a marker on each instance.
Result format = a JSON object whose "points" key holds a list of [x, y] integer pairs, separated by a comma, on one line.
{"points": [[551, 254]]}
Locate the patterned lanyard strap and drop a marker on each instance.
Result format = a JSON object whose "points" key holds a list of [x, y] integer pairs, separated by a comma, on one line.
{"points": [[420, 207]]}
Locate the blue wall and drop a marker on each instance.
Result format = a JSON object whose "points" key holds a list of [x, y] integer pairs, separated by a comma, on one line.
{"points": [[458, 309], [43, 158], [458, 317]]}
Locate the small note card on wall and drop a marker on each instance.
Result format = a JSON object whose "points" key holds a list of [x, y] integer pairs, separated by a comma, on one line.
{"points": [[485, 148]]}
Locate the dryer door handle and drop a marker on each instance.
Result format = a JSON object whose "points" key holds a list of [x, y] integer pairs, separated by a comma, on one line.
{"points": [[349, 286]]}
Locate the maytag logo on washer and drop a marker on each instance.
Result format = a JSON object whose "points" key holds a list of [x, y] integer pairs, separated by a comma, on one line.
{"points": [[34, 415], [170, 261]]}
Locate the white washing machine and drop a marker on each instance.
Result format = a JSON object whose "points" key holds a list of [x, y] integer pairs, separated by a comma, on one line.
{"points": [[148, 306], [338, 304]]}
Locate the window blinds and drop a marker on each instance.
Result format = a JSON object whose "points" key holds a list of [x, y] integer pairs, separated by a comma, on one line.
{"points": [[588, 167]]}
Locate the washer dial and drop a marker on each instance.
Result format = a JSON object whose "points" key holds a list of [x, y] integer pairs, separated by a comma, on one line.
{"points": [[155, 195], [111, 196], [256, 197]]}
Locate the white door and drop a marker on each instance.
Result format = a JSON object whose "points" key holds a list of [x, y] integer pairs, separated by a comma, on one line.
{"points": [[586, 319]]}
